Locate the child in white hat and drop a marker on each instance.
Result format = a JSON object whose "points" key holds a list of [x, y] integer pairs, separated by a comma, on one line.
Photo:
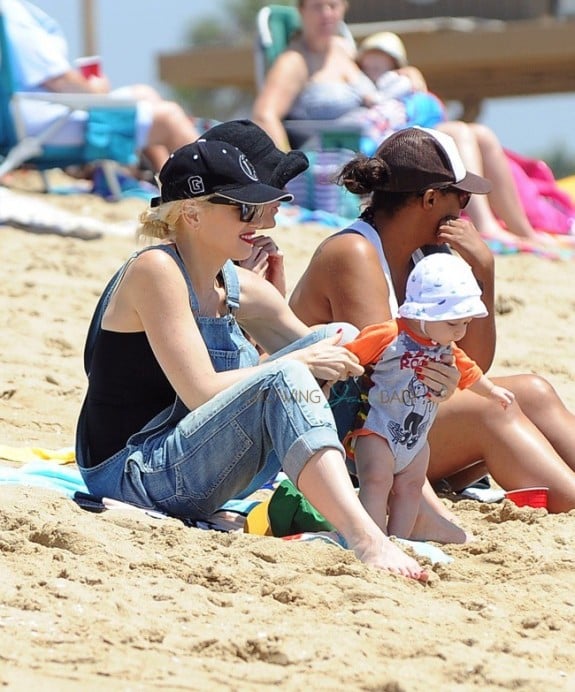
{"points": [[391, 449], [383, 58]]}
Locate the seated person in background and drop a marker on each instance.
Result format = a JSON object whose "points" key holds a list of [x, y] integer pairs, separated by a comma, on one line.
{"points": [[391, 449], [39, 59], [317, 78], [383, 58]]}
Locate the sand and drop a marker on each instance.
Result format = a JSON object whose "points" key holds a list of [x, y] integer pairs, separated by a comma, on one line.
{"points": [[123, 601]]}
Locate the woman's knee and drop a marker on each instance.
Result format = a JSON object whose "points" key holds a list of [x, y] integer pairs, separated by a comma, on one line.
{"points": [[486, 139], [168, 114], [460, 131], [534, 393]]}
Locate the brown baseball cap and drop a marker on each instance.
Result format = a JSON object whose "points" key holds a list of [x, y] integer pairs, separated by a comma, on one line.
{"points": [[420, 158]]}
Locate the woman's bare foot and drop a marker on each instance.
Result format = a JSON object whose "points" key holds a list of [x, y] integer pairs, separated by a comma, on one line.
{"points": [[382, 553]]}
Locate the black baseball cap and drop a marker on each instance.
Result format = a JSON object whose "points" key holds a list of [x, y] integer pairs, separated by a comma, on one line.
{"points": [[420, 158], [214, 168], [272, 165]]}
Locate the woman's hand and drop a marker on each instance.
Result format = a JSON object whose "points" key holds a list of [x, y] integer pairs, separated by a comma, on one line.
{"points": [[328, 362], [441, 379], [267, 261], [464, 238]]}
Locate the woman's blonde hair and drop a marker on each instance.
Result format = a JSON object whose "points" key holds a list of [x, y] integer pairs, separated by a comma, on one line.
{"points": [[162, 221]]}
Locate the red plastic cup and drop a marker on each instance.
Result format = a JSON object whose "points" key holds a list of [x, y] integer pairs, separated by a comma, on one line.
{"points": [[528, 497], [90, 66]]}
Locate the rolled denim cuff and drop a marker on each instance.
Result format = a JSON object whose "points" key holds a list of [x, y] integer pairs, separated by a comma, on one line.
{"points": [[306, 446]]}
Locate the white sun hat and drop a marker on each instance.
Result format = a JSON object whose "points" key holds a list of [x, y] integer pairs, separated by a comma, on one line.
{"points": [[442, 287], [386, 42]]}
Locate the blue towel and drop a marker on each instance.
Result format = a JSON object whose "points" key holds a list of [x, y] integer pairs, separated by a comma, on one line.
{"points": [[45, 474], [111, 134]]}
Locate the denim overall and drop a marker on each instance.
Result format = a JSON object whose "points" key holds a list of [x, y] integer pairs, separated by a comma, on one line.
{"points": [[188, 463]]}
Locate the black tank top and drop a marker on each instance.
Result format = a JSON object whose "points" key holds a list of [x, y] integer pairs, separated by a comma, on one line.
{"points": [[127, 389]]}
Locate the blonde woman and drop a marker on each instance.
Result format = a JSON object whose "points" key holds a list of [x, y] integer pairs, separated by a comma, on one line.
{"points": [[180, 416]]}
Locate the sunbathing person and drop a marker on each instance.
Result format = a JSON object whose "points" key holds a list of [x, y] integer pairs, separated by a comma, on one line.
{"points": [[39, 61]]}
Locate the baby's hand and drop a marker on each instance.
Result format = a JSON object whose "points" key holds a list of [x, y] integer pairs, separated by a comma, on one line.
{"points": [[503, 396]]}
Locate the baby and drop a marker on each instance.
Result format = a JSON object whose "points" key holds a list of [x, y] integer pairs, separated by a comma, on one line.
{"points": [[391, 449], [382, 57]]}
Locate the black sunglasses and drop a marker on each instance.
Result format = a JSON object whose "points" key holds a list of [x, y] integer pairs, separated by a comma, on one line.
{"points": [[248, 212], [464, 196]]}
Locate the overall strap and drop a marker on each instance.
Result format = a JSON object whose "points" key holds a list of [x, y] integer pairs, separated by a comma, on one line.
{"points": [[173, 252], [232, 285]]}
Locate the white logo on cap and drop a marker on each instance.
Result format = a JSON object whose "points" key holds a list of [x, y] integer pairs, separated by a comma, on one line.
{"points": [[196, 184], [247, 168]]}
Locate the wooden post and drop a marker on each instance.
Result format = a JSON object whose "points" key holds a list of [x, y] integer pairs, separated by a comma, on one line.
{"points": [[89, 25]]}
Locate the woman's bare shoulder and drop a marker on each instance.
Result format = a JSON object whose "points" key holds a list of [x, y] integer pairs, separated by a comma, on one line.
{"points": [[345, 248]]}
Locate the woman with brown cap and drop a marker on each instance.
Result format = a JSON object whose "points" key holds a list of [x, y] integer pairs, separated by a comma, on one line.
{"points": [[417, 185], [179, 415]]}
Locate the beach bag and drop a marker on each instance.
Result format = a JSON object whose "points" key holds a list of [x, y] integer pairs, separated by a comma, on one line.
{"points": [[315, 188]]}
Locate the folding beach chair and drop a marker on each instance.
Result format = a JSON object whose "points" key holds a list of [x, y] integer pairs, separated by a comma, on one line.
{"points": [[275, 25], [110, 128]]}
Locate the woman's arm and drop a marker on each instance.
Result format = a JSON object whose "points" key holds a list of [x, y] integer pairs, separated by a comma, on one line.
{"points": [[265, 315], [343, 283], [462, 236], [153, 296], [284, 81], [74, 82], [415, 76]]}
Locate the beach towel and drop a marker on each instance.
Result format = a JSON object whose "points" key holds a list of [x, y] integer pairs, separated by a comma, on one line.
{"points": [[39, 216], [111, 134], [28, 454], [548, 207], [45, 474]]}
